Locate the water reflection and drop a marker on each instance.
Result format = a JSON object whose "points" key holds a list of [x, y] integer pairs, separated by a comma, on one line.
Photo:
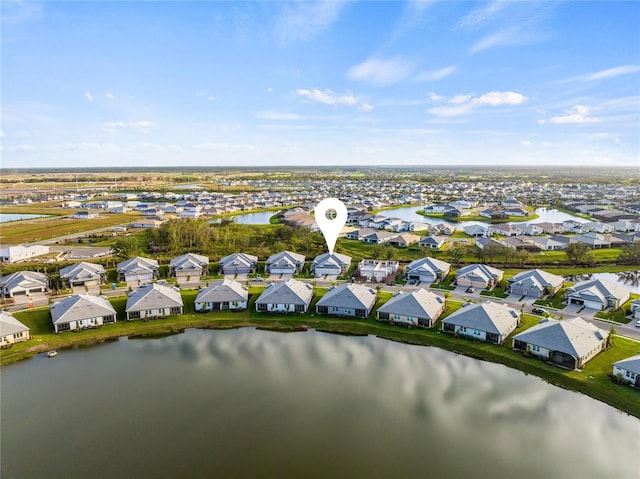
{"points": [[629, 279], [249, 403]]}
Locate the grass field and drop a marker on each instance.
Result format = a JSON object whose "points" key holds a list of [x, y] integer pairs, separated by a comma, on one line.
{"points": [[594, 380]]}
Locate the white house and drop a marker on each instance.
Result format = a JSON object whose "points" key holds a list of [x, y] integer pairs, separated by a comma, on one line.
{"points": [[478, 276], [635, 308], [83, 274], [432, 242], [221, 295], [285, 262], [427, 270], [238, 263], [23, 282], [477, 231], [189, 266], [11, 330], [154, 301], [597, 294], [377, 269], [488, 321], [417, 308], [569, 343], [535, 283], [13, 254], [81, 311], [138, 269], [628, 370], [350, 300], [291, 296], [330, 264]]}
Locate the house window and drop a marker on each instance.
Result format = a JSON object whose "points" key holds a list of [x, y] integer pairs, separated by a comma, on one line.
{"points": [[262, 307], [134, 315], [176, 310], [17, 335], [64, 327]]}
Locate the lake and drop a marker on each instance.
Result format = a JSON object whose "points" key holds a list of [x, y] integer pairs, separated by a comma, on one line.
{"points": [[249, 403], [260, 218], [6, 217]]}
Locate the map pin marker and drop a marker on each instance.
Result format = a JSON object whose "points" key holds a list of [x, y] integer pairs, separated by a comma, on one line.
{"points": [[331, 227]]}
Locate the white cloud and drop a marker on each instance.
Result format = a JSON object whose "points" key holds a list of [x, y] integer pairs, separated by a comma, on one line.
{"points": [[142, 126], [495, 98], [613, 72], [88, 96], [578, 114], [1, 134], [327, 97], [435, 97], [302, 21], [464, 104], [531, 144], [481, 15], [110, 96], [526, 143], [223, 146], [435, 74], [270, 115], [20, 148], [381, 72], [269, 90], [365, 107]]}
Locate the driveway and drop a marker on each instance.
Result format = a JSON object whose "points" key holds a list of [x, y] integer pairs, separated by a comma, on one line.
{"points": [[279, 277], [515, 298]]}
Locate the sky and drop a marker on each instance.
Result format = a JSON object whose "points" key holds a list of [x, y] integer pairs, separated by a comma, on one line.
{"points": [[151, 83]]}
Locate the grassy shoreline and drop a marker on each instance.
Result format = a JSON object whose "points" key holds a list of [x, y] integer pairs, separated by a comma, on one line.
{"points": [[593, 381]]}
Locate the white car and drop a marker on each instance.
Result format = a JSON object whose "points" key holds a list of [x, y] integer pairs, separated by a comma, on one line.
{"points": [[637, 324]]}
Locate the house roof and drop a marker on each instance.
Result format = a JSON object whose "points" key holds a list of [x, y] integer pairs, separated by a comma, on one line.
{"points": [[630, 364], [574, 336], [23, 279], [480, 270], [189, 261], [354, 296], [83, 271], [536, 279], [488, 316], [238, 259], [419, 303], [80, 306], [285, 258], [154, 296], [332, 259], [430, 265], [137, 264], [10, 325], [600, 288], [287, 292], [222, 291]]}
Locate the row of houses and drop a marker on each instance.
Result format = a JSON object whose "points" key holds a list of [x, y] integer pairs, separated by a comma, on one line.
{"points": [[568, 343]]}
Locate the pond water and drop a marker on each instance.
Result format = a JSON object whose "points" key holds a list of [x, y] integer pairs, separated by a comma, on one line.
{"points": [[248, 403], [628, 279], [6, 217], [260, 218]]}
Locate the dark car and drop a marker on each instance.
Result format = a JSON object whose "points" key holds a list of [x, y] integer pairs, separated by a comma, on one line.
{"points": [[538, 311]]}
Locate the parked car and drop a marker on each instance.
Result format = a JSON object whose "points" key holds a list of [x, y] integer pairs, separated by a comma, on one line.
{"points": [[637, 324], [538, 311], [471, 289]]}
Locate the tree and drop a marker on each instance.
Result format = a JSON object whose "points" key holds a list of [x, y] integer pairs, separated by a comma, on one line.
{"points": [[610, 339], [389, 253], [523, 257], [457, 253], [579, 253], [630, 254], [126, 247]]}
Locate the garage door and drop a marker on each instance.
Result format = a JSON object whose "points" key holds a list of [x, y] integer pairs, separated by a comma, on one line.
{"points": [[139, 277], [592, 305]]}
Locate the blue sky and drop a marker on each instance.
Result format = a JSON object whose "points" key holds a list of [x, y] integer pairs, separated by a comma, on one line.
{"points": [[320, 83]]}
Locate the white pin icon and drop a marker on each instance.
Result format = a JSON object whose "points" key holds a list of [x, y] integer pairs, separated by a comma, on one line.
{"points": [[330, 225]]}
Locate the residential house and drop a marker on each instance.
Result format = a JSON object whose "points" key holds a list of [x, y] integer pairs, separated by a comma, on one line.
{"points": [[221, 295], [14, 254], [482, 243], [444, 229], [23, 282], [477, 231], [403, 240], [478, 276], [548, 244], [285, 262], [291, 296], [532, 229], [427, 270], [431, 242], [189, 267], [635, 308], [506, 230], [594, 240], [379, 237], [417, 308], [597, 294], [154, 301], [628, 370], [516, 212], [349, 300], [493, 213], [569, 343], [377, 269], [334, 264], [11, 330], [83, 274], [488, 321], [521, 243], [81, 311], [599, 227], [146, 223], [84, 215], [358, 234], [551, 228], [238, 263], [535, 283], [138, 269]]}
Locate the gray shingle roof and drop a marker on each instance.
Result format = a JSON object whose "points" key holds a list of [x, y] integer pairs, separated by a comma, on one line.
{"points": [[333, 259], [189, 261], [488, 316], [285, 258], [222, 291], [538, 278], [236, 259], [83, 271], [80, 306], [287, 292], [574, 336], [600, 288], [419, 303], [10, 325], [154, 296], [24, 279], [349, 296], [480, 270], [431, 265], [137, 264], [630, 364]]}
